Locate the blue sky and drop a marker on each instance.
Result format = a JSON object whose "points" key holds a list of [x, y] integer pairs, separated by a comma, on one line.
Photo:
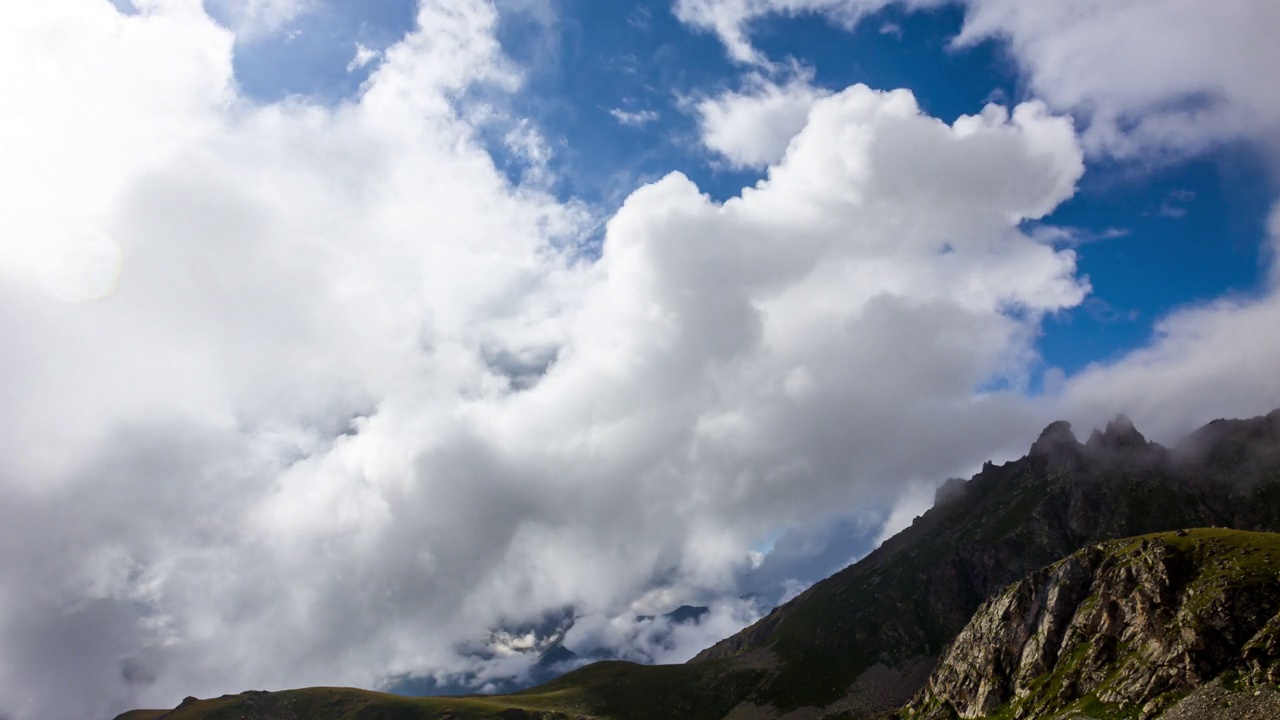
{"points": [[344, 342], [1154, 234]]}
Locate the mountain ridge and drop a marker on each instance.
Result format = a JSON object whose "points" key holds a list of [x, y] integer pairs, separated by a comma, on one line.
{"points": [[901, 604]]}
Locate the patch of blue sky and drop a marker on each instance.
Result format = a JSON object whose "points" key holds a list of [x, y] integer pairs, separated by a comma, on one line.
{"points": [[891, 49], [609, 93], [1187, 234], [312, 55], [614, 87], [1151, 238]]}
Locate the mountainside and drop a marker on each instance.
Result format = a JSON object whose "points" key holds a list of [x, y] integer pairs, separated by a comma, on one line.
{"points": [[1123, 629], [864, 641]]}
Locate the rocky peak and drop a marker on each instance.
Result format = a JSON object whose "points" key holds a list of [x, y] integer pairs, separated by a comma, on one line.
{"points": [[1241, 450], [1054, 440], [950, 491], [1119, 435]]}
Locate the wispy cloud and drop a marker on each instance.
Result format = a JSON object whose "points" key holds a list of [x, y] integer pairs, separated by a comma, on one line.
{"points": [[1175, 204], [891, 28], [640, 18], [635, 119], [364, 55]]}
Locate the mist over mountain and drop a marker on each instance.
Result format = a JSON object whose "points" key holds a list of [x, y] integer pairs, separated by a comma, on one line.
{"points": [[868, 639], [889, 615]]}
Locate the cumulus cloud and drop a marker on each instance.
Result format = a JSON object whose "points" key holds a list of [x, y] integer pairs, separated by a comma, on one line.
{"points": [[636, 118], [302, 394], [1172, 76], [752, 127], [662, 638], [364, 55], [1205, 361], [252, 19], [1152, 81], [1168, 77], [730, 19], [526, 144]]}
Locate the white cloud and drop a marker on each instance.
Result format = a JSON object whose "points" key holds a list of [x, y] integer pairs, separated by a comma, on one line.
{"points": [[891, 28], [653, 638], [1159, 80], [364, 56], [636, 119], [526, 144], [730, 19], [1156, 81], [1205, 361], [1171, 76], [1161, 76], [914, 502], [752, 128], [251, 19]]}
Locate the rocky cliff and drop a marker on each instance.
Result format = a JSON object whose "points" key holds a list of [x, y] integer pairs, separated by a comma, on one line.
{"points": [[1122, 629]]}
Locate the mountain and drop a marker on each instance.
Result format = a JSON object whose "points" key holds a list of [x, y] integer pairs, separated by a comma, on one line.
{"points": [[681, 615], [1128, 628], [866, 640]]}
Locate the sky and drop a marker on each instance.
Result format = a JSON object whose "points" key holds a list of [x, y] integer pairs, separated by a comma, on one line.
{"points": [[352, 343]]}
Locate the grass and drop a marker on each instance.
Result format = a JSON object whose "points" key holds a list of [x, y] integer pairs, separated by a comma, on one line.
{"points": [[334, 704], [607, 691]]}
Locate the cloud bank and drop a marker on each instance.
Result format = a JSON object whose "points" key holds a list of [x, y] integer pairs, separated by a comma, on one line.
{"points": [[1147, 82], [300, 394], [1164, 77]]}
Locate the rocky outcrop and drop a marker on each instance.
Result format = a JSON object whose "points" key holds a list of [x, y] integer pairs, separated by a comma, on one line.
{"points": [[1134, 624]]}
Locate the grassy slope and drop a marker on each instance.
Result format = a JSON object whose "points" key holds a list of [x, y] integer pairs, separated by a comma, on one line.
{"points": [[326, 704], [608, 691]]}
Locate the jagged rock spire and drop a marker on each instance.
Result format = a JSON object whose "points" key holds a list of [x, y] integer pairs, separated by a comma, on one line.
{"points": [[1120, 433], [1056, 437]]}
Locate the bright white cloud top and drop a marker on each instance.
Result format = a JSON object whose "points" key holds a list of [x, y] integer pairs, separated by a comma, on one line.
{"points": [[310, 394], [752, 128]]}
